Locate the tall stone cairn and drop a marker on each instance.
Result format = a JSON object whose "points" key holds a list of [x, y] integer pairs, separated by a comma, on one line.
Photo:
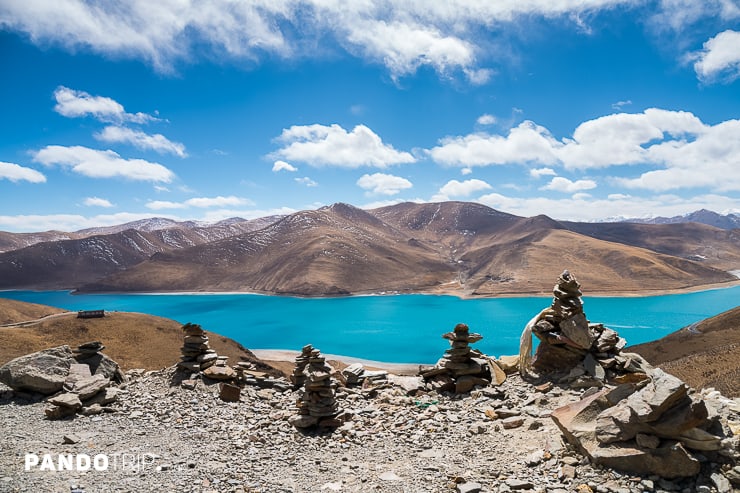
{"points": [[298, 378], [317, 405], [461, 368], [196, 355]]}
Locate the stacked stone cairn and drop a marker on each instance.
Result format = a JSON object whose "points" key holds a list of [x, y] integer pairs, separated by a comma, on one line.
{"points": [[298, 377], [567, 339], [634, 418], [196, 354], [461, 368], [317, 405]]}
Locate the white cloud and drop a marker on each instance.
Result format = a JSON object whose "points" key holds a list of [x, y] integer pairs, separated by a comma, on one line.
{"points": [[102, 164], [680, 149], [466, 171], [75, 104], [141, 140], [306, 181], [404, 47], [454, 188], [540, 172], [321, 145], [383, 184], [218, 201], [282, 165], [596, 209], [157, 205], [97, 202], [402, 35], [200, 202], [720, 58], [527, 142], [15, 172], [486, 119], [621, 104], [560, 184]]}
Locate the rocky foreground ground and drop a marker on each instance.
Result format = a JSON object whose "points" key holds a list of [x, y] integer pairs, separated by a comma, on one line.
{"points": [[160, 436]]}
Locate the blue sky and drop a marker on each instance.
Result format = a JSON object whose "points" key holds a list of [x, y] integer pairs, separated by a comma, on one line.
{"points": [[580, 110]]}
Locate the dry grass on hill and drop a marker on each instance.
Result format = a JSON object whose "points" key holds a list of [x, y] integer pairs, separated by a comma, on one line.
{"points": [[12, 311], [705, 355], [134, 340]]}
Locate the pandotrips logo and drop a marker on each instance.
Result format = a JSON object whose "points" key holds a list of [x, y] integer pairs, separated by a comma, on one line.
{"points": [[84, 462]]}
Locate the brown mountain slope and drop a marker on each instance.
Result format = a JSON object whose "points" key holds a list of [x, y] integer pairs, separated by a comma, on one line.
{"points": [[715, 247], [133, 340], [452, 247], [706, 354], [527, 263], [334, 250]]}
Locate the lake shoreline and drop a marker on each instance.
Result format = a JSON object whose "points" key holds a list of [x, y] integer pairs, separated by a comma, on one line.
{"points": [[592, 293]]}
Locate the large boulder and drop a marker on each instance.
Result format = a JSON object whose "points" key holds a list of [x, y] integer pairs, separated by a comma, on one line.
{"points": [[44, 371]]}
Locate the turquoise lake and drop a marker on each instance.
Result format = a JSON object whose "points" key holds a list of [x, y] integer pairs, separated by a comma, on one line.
{"points": [[400, 328]]}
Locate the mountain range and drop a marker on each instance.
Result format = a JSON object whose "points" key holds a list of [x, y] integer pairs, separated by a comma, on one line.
{"points": [[459, 248]]}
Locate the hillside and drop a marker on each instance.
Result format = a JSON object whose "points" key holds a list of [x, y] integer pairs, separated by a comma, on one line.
{"points": [[706, 354], [459, 248], [334, 250], [133, 340]]}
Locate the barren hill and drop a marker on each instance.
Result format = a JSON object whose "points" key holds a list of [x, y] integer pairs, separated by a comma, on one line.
{"points": [[133, 340], [334, 250], [451, 247], [706, 354]]}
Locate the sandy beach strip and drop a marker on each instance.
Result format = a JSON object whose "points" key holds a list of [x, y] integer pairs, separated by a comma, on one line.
{"points": [[288, 356]]}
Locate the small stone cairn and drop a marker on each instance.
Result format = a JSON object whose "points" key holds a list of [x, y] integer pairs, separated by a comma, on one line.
{"points": [[567, 339], [196, 354], [461, 368], [317, 406], [298, 377]]}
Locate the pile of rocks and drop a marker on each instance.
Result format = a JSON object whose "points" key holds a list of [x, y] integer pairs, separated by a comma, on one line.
{"points": [[298, 377], [461, 368], [568, 341], [196, 354], [648, 428], [79, 382], [642, 421], [317, 406]]}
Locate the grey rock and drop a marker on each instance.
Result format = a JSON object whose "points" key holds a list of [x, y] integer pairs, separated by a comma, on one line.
{"points": [[44, 371], [469, 487], [721, 483]]}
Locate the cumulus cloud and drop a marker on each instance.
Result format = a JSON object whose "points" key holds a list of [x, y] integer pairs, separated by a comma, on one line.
{"points": [[141, 140], [486, 119], [200, 202], [75, 104], [383, 184], [283, 166], [527, 142], [682, 150], [321, 145], [95, 163], [402, 36], [455, 188], [405, 46], [306, 181], [560, 184], [540, 172], [97, 202], [719, 59], [15, 172], [586, 208]]}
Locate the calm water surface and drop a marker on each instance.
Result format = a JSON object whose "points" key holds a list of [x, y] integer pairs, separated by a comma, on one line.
{"points": [[401, 328]]}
